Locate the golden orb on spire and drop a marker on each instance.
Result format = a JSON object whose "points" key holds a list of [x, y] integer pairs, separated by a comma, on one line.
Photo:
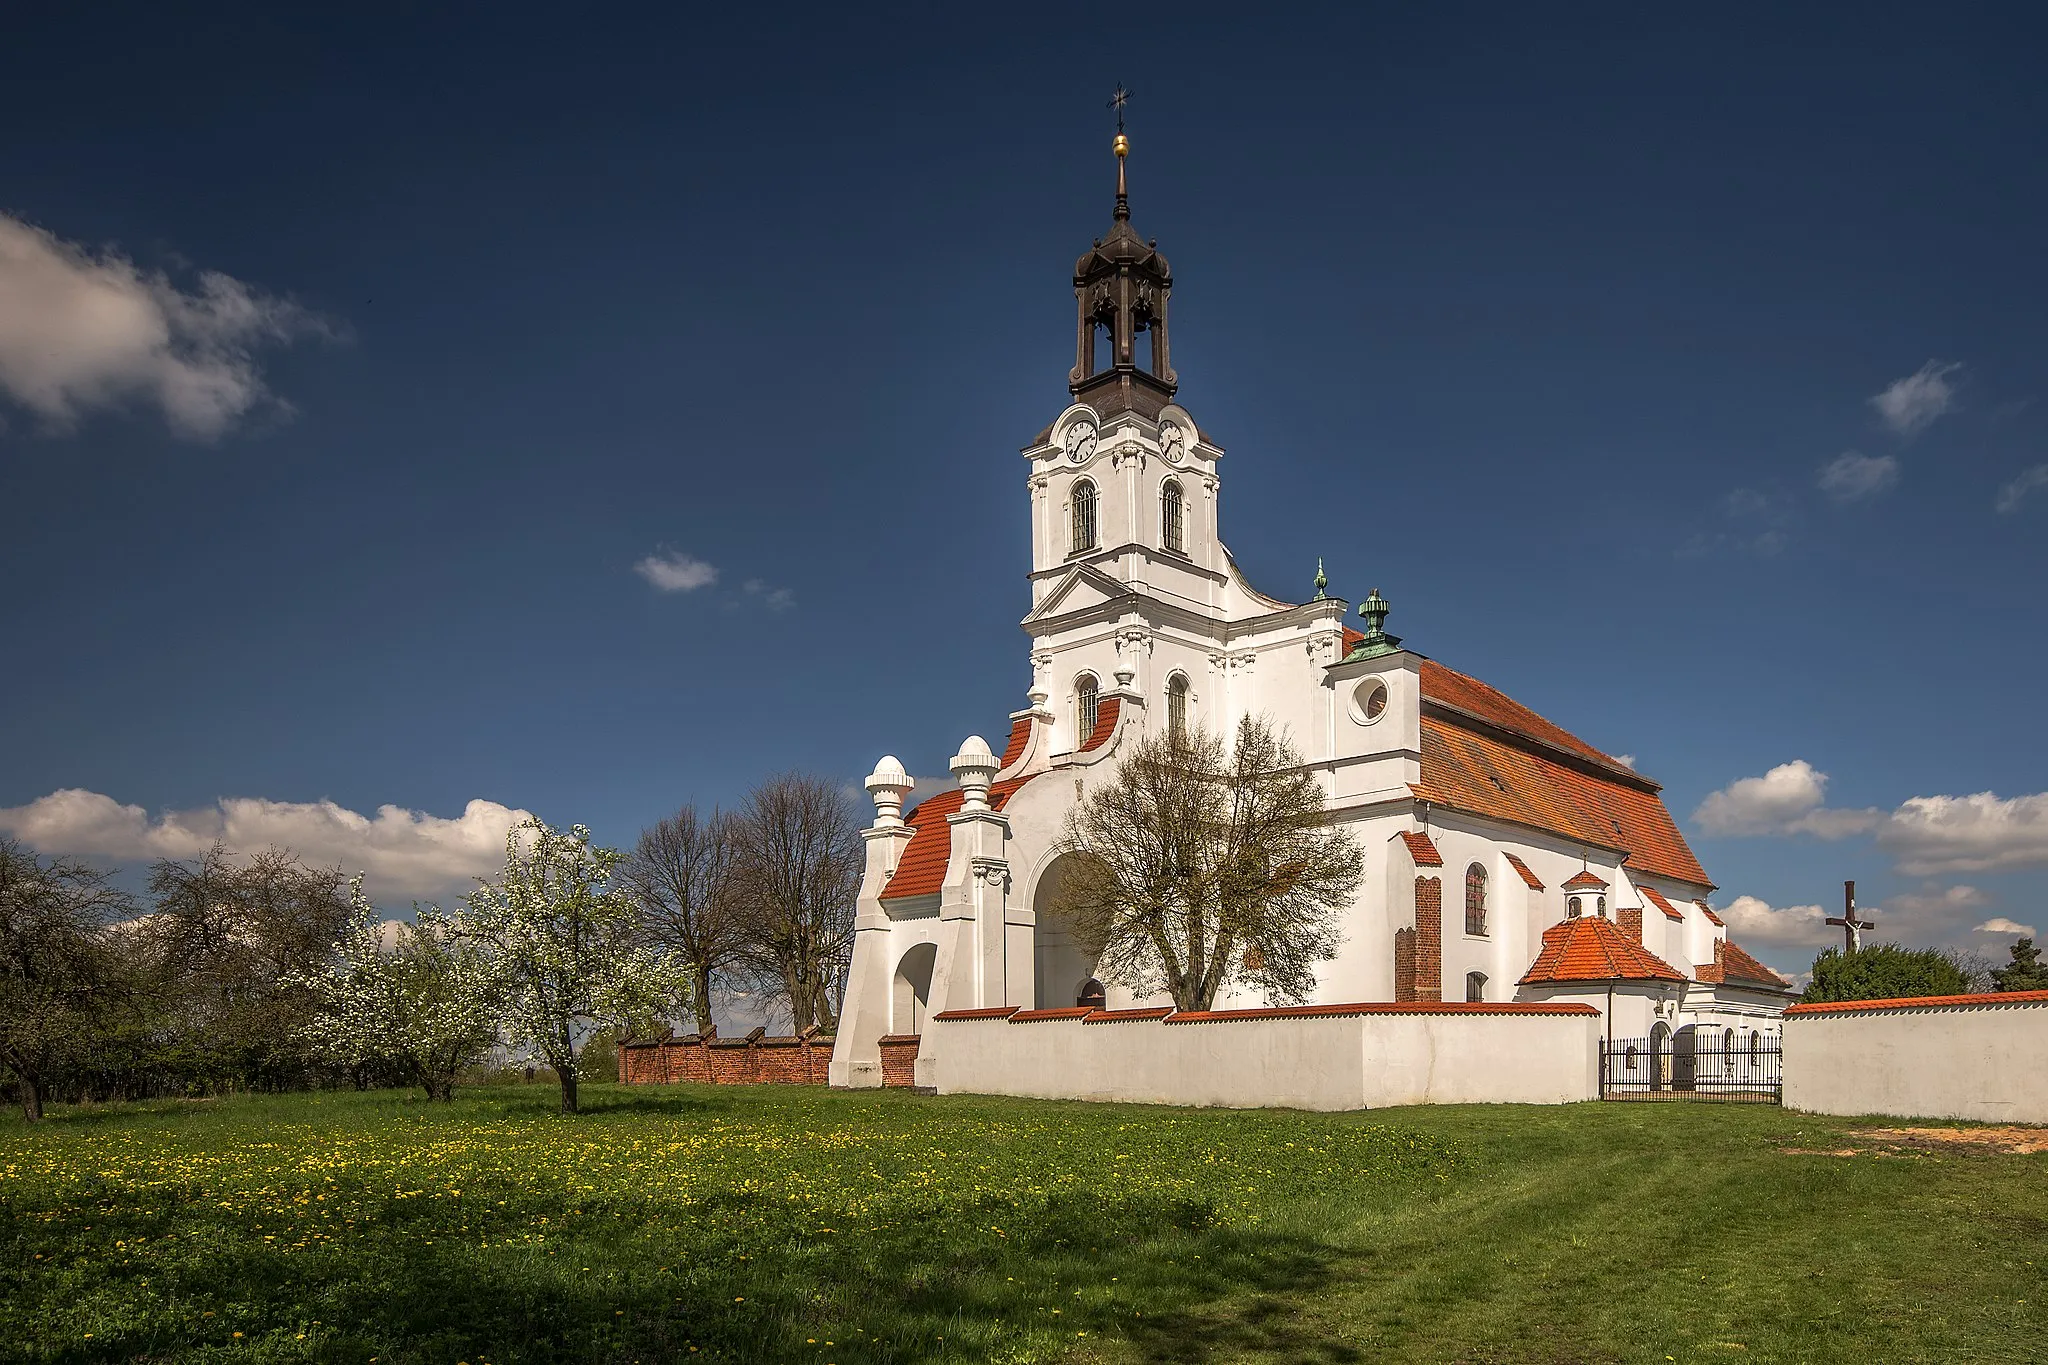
{"points": [[1122, 146]]}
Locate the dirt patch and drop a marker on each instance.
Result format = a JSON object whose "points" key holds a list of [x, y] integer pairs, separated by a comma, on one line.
{"points": [[2018, 1141], [1906, 1142]]}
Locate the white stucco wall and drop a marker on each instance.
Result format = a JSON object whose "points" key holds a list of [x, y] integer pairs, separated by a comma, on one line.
{"points": [[1980, 1060], [1348, 1062]]}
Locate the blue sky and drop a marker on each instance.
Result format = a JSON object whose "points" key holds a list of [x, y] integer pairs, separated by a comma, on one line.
{"points": [[349, 366]]}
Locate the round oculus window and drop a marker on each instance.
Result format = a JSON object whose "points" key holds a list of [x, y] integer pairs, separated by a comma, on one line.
{"points": [[1369, 700]]}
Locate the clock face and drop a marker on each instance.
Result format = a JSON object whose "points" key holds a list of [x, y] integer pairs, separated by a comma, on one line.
{"points": [[1172, 443], [1080, 440]]}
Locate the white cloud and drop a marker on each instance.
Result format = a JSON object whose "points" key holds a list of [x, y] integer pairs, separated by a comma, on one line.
{"points": [[673, 571], [1789, 799], [1930, 835], [1851, 477], [2002, 925], [1625, 760], [1908, 405], [2013, 494], [403, 853], [1754, 922], [773, 598], [80, 331]]}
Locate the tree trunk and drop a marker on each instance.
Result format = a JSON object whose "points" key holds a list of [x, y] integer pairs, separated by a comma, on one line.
{"points": [[568, 1078], [703, 1000], [31, 1096]]}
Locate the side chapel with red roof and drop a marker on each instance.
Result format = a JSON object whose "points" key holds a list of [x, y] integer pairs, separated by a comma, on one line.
{"points": [[1506, 859]]}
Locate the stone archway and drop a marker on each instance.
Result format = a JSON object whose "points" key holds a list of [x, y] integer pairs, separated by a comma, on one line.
{"points": [[1660, 1056], [911, 991], [1062, 968]]}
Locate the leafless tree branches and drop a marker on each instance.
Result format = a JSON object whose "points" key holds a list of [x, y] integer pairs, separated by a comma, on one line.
{"points": [[1202, 866], [685, 873]]}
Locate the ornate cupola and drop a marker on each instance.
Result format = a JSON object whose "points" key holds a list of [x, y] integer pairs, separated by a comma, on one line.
{"points": [[1121, 284]]}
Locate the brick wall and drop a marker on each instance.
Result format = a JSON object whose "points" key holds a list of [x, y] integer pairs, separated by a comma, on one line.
{"points": [[899, 1059], [1429, 939], [752, 1060], [1630, 922], [1404, 966]]}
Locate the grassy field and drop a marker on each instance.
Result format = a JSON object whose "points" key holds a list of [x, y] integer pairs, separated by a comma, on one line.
{"points": [[779, 1224]]}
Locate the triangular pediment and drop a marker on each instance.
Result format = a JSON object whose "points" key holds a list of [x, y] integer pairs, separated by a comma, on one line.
{"points": [[1084, 586]]}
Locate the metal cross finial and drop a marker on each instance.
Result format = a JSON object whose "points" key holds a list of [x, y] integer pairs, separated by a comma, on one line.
{"points": [[1117, 102]]}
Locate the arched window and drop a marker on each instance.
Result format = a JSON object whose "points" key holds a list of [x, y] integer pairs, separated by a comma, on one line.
{"points": [[1727, 1042], [1085, 690], [1084, 517], [1631, 1056], [1475, 899], [1475, 986], [1603, 907], [1091, 995], [1177, 706], [1172, 518], [1573, 907], [1754, 1042]]}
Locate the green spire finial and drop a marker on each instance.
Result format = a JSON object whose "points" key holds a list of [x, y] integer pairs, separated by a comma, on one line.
{"points": [[1322, 581], [1375, 641]]}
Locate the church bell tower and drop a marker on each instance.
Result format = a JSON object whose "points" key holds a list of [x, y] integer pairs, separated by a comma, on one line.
{"points": [[1121, 359]]}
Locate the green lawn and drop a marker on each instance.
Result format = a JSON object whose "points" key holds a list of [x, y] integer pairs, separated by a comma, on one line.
{"points": [[781, 1224]]}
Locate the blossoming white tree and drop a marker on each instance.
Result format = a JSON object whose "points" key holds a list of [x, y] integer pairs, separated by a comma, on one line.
{"points": [[568, 947], [429, 1005]]}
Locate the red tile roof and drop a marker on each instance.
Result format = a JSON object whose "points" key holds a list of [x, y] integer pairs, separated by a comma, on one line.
{"points": [[1528, 877], [1585, 880], [1656, 898], [996, 1012], [1105, 723], [1592, 949], [1528, 784], [1909, 1002], [1020, 735], [1733, 965], [923, 867], [1422, 849], [1447, 687], [1712, 918]]}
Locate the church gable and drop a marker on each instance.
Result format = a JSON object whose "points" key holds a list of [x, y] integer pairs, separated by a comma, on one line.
{"points": [[1084, 586]]}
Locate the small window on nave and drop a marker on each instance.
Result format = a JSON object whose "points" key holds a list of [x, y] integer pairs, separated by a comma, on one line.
{"points": [[1083, 530], [1475, 899], [1475, 986]]}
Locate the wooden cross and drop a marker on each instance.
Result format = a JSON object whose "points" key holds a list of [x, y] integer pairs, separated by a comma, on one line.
{"points": [[1852, 928], [1117, 102]]}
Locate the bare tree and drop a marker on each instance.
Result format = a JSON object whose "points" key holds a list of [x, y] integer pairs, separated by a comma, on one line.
{"points": [[59, 965], [684, 873], [1199, 867], [800, 869]]}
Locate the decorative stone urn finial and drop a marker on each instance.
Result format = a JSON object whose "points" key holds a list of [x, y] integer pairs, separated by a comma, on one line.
{"points": [[1375, 641], [1322, 581], [889, 784], [975, 767]]}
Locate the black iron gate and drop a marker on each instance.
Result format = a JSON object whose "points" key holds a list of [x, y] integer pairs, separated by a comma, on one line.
{"points": [[1697, 1062]]}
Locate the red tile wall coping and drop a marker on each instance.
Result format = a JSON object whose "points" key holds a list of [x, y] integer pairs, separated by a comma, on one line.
{"points": [[1380, 1007], [1127, 1016], [1924, 1001], [1168, 1014]]}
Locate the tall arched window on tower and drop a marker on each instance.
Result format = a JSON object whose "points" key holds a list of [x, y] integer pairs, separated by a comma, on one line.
{"points": [[1177, 706], [1084, 517], [1085, 694], [1475, 899], [1172, 518]]}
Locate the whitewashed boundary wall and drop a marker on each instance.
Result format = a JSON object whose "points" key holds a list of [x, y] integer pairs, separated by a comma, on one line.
{"points": [[1365, 1056], [1943, 1057]]}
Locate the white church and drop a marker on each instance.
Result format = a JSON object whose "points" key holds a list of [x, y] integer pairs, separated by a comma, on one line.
{"points": [[1509, 864]]}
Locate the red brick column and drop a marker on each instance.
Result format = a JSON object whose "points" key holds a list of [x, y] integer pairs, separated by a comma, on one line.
{"points": [[899, 1059], [1404, 966], [1429, 938]]}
